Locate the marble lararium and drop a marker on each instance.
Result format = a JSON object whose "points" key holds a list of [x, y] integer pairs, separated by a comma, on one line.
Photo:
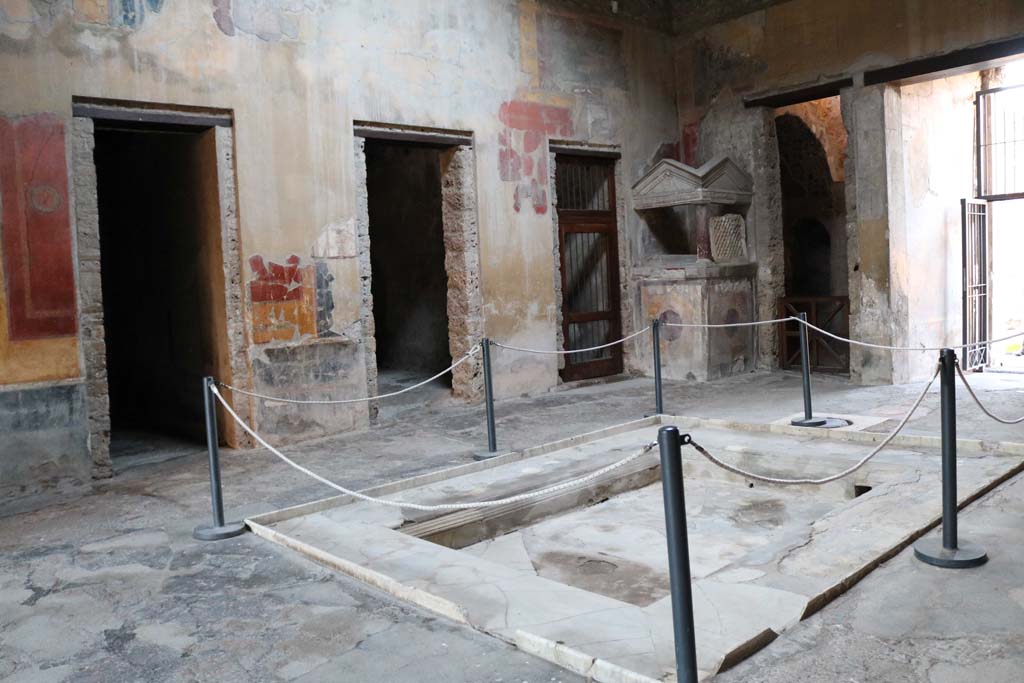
{"points": [[716, 184], [673, 183]]}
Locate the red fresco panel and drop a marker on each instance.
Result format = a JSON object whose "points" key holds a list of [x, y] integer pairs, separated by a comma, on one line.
{"points": [[275, 282], [38, 267], [522, 156]]}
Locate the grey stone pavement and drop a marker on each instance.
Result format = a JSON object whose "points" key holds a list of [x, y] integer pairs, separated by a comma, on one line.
{"points": [[908, 621], [107, 584]]}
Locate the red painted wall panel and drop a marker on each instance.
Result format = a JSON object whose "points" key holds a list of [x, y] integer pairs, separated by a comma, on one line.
{"points": [[38, 268]]}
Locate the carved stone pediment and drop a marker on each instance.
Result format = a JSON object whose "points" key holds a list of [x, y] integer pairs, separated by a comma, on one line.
{"points": [[672, 183]]}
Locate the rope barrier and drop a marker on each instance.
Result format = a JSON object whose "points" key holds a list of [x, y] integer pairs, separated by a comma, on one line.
{"points": [[747, 324], [886, 347], [476, 349], [451, 367], [837, 337], [824, 480], [563, 353], [981, 405], [418, 506]]}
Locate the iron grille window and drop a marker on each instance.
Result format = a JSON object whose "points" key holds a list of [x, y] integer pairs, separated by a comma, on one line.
{"points": [[582, 186], [1000, 142]]}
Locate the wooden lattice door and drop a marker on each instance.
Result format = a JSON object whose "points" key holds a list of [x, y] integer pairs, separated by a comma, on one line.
{"points": [[589, 254]]}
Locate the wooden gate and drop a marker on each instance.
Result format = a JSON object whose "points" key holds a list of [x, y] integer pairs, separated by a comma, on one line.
{"points": [[831, 313], [589, 255]]}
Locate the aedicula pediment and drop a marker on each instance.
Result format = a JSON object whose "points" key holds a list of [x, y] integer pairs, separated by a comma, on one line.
{"points": [[673, 183]]}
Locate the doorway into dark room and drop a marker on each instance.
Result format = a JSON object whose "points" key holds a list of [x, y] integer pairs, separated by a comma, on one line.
{"points": [[409, 281], [162, 280], [812, 152]]}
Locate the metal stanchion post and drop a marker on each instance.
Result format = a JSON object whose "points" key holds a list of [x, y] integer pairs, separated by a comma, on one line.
{"points": [[808, 420], [948, 553], [669, 442], [492, 438], [219, 529], [659, 403]]}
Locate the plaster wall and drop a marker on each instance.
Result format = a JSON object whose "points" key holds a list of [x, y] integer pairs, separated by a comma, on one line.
{"points": [[870, 115], [294, 76], [938, 152]]}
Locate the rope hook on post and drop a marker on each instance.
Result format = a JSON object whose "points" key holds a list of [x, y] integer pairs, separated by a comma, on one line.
{"points": [[219, 529], [949, 552]]}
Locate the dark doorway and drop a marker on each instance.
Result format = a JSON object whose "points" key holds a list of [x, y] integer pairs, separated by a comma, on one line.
{"points": [[409, 282], [162, 279], [812, 148], [808, 204], [588, 247], [808, 259]]}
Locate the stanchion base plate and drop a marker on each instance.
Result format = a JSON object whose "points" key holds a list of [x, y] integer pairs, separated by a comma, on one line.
{"points": [[488, 455], [217, 533], [930, 551], [809, 422]]}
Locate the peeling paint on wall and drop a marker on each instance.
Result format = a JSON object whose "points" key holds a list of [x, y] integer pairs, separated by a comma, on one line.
{"points": [[283, 300], [222, 17], [122, 13], [523, 154], [324, 301], [291, 301], [269, 20], [575, 51], [823, 119], [336, 241]]}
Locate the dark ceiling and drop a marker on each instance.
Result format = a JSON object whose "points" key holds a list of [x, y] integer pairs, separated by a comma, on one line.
{"points": [[690, 15], [677, 16]]}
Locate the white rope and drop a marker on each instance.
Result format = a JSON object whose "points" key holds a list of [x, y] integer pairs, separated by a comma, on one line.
{"points": [[562, 353], [451, 367], [430, 508], [981, 405], [886, 347], [824, 480], [990, 341], [855, 342], [747, 324]]}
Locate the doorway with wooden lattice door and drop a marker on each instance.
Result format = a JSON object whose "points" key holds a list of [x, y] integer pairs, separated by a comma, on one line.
{"points": [[588, 248]]}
